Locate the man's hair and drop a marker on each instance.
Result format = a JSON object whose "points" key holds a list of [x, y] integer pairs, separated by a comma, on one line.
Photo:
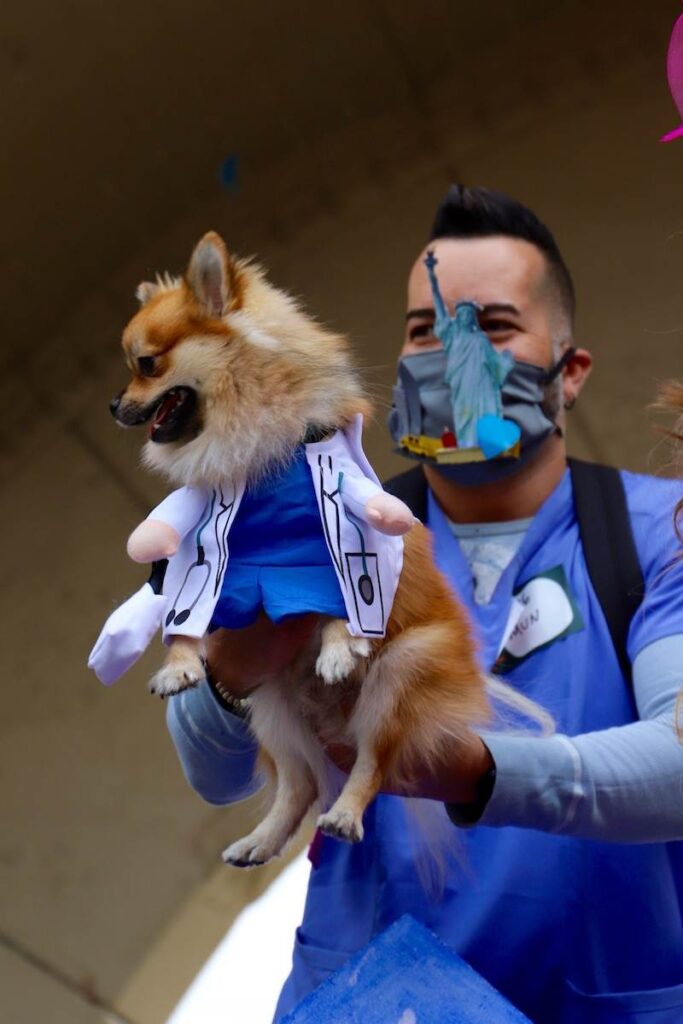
{"points": [[479, 212]]}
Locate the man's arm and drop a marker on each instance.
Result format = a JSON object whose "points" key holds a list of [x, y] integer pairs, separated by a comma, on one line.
{"points": [[216, 749], [621, 785]]}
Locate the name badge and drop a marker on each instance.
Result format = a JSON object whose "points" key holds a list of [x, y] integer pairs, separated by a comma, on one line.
{"points": [[543, 610]]}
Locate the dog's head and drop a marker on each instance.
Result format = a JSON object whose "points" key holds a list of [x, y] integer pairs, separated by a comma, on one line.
{"points": [[228, 372]]}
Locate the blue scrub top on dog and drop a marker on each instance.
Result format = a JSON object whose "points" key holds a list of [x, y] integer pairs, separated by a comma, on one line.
{"points": [[278, 557]]}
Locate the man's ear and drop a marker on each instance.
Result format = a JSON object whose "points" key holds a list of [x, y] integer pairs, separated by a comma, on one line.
{"points": [[212, 276], [575, 375], [145, 291]]}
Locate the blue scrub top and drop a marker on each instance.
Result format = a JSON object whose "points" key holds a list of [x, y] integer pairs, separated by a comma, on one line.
{"points": [[572, 931]]}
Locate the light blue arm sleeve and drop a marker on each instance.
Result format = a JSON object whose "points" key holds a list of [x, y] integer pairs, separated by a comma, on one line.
{"points": [[621, 785], [217, 750]]}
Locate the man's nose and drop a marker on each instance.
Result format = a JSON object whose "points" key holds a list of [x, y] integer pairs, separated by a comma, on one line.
{"points": [[114, 404]]}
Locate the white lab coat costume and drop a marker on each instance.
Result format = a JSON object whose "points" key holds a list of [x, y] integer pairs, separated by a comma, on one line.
{"points": [[367, 563]]}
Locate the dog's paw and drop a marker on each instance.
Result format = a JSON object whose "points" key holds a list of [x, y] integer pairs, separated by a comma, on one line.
{"points": [[335, 662], [249, 852], [175, 678], [338, 658], [341, 824], [360, 645]]}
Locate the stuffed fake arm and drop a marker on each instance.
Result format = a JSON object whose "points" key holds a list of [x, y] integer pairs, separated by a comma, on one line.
{"points": [[130, 628], [159, 535], [367, 501]]}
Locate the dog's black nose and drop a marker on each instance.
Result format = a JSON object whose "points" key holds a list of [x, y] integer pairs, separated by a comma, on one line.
{"points": [[114, 405]]}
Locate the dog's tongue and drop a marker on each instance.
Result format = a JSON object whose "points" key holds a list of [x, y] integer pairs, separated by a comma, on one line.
{"points": [[169, 404]]}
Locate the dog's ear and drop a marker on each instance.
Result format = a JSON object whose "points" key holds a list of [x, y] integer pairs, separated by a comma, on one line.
{"points": [[212, 276], [145, 291]]}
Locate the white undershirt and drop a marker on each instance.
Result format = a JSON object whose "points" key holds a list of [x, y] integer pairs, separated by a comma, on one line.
{"points": [[489, 548]]}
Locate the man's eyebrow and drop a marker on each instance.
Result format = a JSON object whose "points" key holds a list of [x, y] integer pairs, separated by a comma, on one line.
{"points": [[490, 307], [500, 307], [421, 313]]}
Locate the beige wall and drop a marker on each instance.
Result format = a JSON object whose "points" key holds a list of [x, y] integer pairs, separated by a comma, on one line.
{"points": [[106, 857]]}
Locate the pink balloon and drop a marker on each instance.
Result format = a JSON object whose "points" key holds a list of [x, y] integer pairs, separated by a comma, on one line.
{"points": [[674, 73]]}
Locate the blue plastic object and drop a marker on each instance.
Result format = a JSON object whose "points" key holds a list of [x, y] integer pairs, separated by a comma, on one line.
{"points": [[496, 435], [406, 976]]}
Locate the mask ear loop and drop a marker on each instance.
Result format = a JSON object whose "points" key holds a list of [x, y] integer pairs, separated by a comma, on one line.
{"points": [[557, 369], [559, 365]]}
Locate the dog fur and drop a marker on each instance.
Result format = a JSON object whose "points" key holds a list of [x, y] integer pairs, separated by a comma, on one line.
{"points": [[262, 370]]}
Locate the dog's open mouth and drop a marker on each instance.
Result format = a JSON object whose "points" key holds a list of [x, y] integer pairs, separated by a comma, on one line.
{"points": [[174, 415]]}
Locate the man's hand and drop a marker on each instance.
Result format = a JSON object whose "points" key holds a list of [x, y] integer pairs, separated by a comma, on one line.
{"points": [[243, 658], [454, 780]]}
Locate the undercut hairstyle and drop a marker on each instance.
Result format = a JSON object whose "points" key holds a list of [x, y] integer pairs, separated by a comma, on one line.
{"points": [[479, 213]]}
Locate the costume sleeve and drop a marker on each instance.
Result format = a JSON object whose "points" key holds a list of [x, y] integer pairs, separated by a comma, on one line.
{"points": [[623, 784], [217, 750], [182, 509]]}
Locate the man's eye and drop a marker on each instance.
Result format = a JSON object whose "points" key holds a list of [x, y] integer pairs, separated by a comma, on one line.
{"points": [[146, 366], [497, 326], [422, 331]]}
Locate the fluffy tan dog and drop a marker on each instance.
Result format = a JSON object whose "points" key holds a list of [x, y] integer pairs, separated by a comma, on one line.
{"points": [[229, 372]]}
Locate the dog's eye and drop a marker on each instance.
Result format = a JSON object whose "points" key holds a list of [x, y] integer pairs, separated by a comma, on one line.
{"points": [[146, 366]]}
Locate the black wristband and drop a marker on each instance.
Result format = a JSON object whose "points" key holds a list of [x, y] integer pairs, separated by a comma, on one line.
{"points": [[466, 815]]}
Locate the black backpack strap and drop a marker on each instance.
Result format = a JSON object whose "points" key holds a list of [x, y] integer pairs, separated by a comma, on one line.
{"points": [[410, 487], [609, 548]]}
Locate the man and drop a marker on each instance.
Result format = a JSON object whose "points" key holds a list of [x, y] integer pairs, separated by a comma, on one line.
{"points": [[568, 896]]}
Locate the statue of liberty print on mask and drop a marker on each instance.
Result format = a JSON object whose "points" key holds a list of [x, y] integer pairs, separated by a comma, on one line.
{"points": [[475, 374]]}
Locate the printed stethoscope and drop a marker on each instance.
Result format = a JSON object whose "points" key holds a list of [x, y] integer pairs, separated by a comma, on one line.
{"points": [[366, 587], [202, 563]]}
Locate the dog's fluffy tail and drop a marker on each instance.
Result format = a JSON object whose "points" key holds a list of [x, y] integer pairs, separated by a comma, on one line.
{"points": [[437, 846], [515, 713]]}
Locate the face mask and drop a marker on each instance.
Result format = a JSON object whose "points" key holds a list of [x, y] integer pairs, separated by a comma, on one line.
{"points": [[473, 413], [422, 422]]}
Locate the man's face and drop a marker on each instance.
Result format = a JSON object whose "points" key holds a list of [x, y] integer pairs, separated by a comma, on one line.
{"points": [[506, 276]]}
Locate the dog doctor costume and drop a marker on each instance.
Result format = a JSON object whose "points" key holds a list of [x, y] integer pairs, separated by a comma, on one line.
{"points": [[338, 564]]}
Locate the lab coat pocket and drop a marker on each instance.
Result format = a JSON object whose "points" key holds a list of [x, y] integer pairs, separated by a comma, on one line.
{"points": [[126, 634], [650, 1006]]}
